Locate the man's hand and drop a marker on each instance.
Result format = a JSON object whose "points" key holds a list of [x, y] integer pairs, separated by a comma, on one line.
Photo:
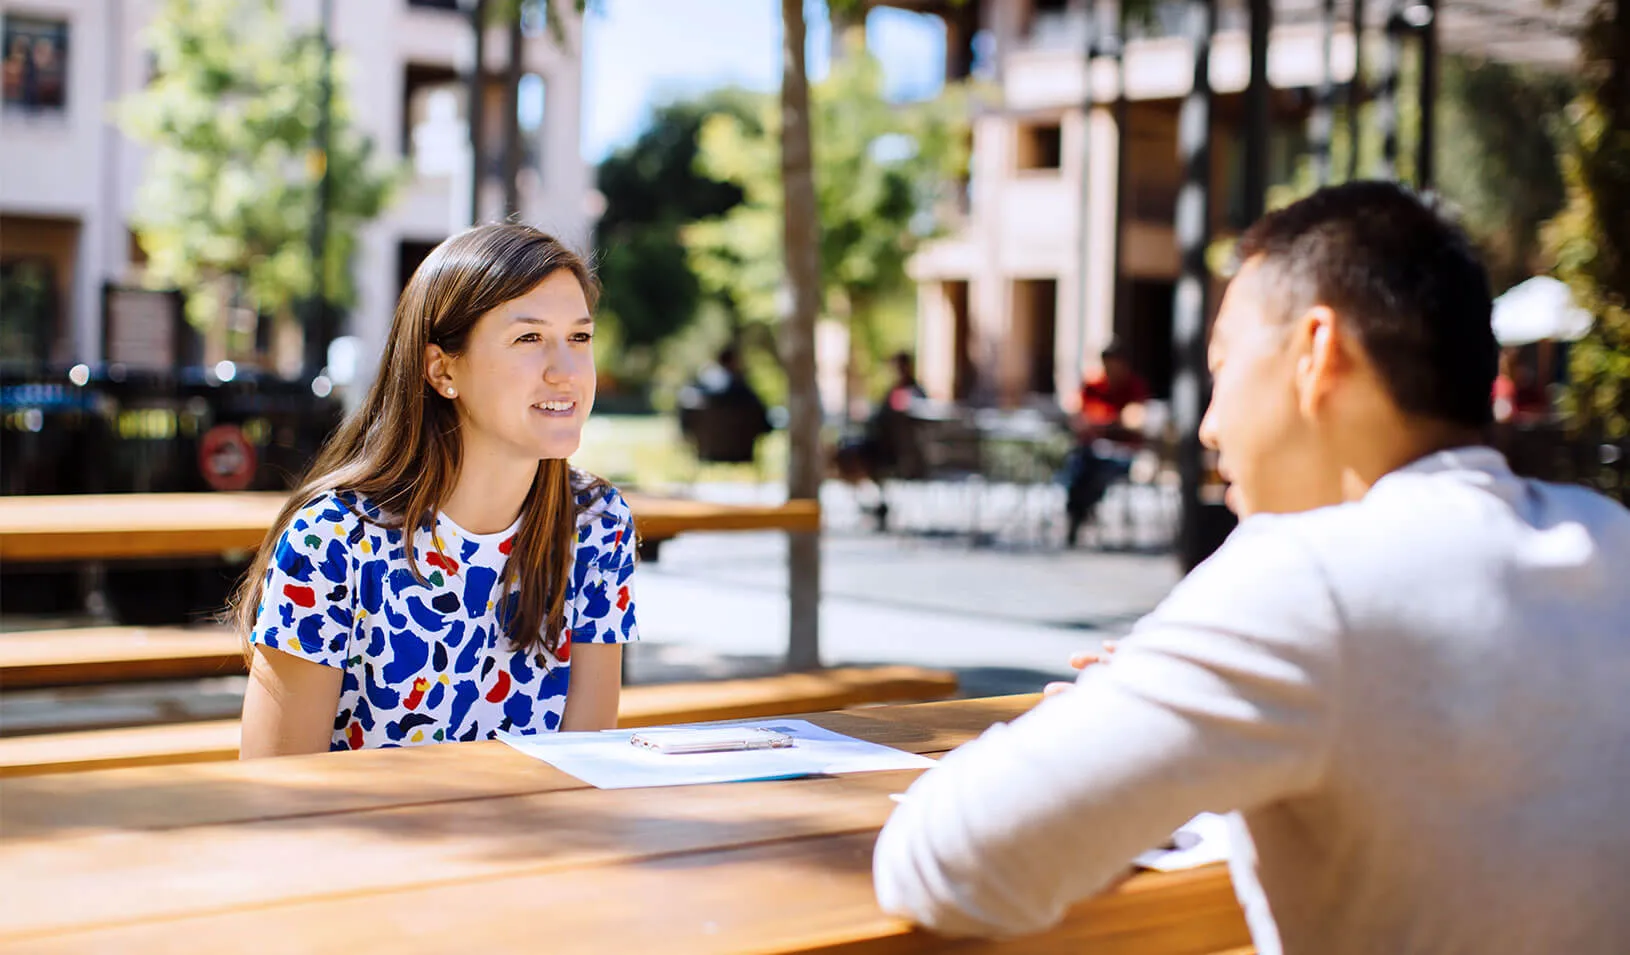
{"points": [[1081, 661]]}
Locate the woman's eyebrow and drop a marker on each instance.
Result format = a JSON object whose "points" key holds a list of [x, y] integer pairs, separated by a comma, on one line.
{"points": [[531, 320]]}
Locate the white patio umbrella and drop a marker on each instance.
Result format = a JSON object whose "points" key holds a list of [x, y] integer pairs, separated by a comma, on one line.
{"points": [[1537, 309]]}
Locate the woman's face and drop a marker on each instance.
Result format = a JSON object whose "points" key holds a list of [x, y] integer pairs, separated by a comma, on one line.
{"points": [[525, 382]]}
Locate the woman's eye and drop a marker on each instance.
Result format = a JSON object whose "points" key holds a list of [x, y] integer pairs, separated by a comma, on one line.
{"points": [[583, 338], [529, 337]]}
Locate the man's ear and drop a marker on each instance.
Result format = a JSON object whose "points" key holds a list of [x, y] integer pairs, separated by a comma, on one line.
{"points": [[1318, 340], [438, 370]]}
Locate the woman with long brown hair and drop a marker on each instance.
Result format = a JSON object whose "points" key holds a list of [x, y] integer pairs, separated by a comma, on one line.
{"points": [[442, 573]]}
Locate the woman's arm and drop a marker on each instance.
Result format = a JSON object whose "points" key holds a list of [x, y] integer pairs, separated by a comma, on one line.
{"points": [[289, 706], [595, 689]]}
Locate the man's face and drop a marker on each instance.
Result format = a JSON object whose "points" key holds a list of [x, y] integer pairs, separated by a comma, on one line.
{"points": [[1269, 444]]}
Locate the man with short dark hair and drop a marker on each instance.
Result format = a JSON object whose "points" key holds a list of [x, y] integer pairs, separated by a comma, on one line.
{"points": [[1408, 670]]}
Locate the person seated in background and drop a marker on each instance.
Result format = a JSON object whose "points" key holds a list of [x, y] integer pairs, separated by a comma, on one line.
{"points": [[886, 440], [1405, 669], [1107, 433], [721, 414], [1518, 397]]}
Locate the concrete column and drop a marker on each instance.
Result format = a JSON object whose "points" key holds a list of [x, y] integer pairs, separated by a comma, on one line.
{"points": [[1102, 216], [936, 340]]}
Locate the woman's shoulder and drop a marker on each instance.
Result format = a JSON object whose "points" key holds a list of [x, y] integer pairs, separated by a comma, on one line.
{"points": [[334, 515], [600, 507]]}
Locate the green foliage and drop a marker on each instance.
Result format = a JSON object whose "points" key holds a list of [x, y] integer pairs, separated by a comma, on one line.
{"points": [[230, 186], [881, 171], [1497, 159], [1591, 236], [1495, 164], [652, 190]]}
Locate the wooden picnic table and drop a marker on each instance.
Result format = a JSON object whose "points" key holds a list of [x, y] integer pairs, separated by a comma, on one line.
{"points": [[473, 847], [133, 526]]}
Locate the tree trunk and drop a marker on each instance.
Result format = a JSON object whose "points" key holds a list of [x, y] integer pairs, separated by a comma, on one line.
{"points": [[800, 247]]}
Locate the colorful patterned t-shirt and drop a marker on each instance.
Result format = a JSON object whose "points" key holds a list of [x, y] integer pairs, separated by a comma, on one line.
{"points": [[428, 661]]}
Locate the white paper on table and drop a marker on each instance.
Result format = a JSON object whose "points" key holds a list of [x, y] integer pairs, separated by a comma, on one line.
{"points": [[607, 760], [1200, 841]]}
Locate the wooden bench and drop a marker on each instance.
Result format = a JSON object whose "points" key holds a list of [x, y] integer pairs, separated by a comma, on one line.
{"points": [[649, 705], [97, 655], [136, 526]]}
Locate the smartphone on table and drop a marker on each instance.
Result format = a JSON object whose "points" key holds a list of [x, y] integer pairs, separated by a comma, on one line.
{"points": [[723, 739]]}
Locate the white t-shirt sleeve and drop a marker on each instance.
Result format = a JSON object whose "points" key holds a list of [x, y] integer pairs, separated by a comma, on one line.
{"points": [[308, 599], [1221, 699], [603, 608]]}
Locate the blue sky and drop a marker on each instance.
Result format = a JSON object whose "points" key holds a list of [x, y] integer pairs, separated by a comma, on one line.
{"points": [[640, 53]]}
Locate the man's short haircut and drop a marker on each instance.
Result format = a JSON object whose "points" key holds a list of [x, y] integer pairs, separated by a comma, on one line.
{"points": [[1400, 275]]}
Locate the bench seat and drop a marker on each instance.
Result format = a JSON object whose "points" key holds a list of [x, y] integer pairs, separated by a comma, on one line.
{"points": [[646, 705]]}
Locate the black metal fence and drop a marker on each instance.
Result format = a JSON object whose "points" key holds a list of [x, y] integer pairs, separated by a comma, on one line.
{"points": [[109, 430], [1552, 452]]}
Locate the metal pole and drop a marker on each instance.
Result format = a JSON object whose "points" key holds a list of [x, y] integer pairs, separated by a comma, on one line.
{"points": [[1386, 100], [512, 121], [1355, 90], [1427, 144], [1256, 112], [1190, 381], [1321, 122], [1083, 206], [477, 108], [318, 330]]}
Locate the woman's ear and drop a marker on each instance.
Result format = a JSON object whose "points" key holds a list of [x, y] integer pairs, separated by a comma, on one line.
{"points": [[438, 371]]}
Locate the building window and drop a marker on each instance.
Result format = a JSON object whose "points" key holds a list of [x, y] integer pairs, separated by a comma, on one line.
{"points": [[1036, 327], [1050, 23], [28, 310], [434, 127], [410, 254], [36, 64], [1041, 146]]}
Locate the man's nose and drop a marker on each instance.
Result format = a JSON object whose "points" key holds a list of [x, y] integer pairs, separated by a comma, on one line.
{"points": [[1208, 426]]}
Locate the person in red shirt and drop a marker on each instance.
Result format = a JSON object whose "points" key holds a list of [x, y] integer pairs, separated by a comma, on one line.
{"points": [[1106, 431]]}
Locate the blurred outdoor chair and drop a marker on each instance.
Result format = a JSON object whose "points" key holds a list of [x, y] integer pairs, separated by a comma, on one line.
{"points": [[723, 434]]}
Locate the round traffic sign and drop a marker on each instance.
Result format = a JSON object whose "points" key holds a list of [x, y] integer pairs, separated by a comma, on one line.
{"points": [[226, 458]]}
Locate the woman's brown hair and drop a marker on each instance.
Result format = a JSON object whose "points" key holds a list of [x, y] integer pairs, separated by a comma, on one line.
{"points": [[401, 449]]}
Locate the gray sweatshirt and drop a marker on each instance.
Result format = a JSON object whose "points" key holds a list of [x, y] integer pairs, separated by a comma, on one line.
{"points": [[1418, 702]]}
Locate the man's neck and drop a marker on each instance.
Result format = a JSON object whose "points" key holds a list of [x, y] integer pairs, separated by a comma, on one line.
{"points": [[1370, 461]]}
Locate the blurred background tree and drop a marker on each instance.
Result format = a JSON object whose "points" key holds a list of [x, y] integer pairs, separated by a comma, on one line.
{"points": [[225, 207], [652, 189], [1591, 236], [1496, 127], [881, 170]]}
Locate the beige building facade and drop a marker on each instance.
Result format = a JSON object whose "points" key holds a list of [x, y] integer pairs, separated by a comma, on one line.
{"points": [[68, 177], [1017, 303]]}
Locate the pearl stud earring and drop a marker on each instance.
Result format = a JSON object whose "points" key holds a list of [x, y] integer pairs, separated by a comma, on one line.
{"points": [[452, 392]]}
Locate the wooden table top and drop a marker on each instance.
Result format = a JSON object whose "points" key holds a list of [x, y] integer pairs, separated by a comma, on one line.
{"points": [[115, 526], [474, 847]]}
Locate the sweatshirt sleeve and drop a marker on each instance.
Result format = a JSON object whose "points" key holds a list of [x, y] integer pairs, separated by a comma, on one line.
{"points": [[1222, 699]]}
